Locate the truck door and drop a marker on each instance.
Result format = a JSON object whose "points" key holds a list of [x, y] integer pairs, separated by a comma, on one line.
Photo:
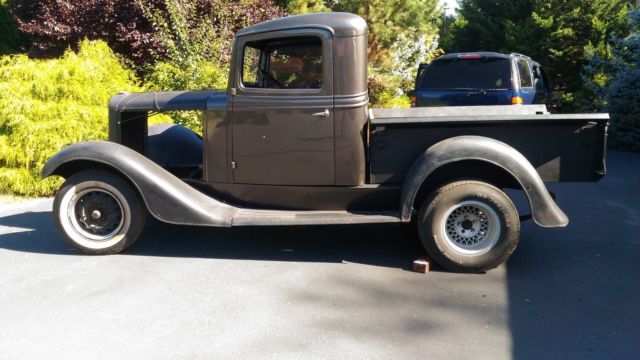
{"points": [[283, 109]]}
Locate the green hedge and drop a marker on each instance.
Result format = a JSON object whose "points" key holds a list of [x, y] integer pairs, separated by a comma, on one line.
{"points": [[48, 104]]}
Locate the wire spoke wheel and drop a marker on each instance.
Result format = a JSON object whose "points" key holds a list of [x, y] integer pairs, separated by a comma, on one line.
{"points": [[471, 228]]}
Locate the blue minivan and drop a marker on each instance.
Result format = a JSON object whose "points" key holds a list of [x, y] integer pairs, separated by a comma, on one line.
{"points": [[481, 78]]}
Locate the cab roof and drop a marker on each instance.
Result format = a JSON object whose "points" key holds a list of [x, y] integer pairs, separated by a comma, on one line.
{"points": [[337, 23]]}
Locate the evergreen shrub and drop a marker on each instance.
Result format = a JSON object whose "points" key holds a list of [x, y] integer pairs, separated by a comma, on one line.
{"points": [[46, 105]]}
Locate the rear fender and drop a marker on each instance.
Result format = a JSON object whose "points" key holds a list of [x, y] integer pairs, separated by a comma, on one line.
{"points": [[545, 212]]}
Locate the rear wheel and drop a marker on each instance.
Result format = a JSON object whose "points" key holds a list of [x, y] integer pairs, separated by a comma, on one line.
{"points": [[469, 226], [98, 213]]}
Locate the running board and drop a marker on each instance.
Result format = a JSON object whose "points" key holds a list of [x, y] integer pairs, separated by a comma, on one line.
{"points": [[249, 217]]}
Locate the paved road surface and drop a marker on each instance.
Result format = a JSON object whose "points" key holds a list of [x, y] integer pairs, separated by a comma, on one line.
{"points": [[327, 292]]}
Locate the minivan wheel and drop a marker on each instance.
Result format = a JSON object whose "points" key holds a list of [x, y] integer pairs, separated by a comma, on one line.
{"points": [[98, 213], [469, 226]]}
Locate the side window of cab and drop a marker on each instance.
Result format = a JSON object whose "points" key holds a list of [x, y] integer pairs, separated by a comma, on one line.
{"points": [[292, 63]]}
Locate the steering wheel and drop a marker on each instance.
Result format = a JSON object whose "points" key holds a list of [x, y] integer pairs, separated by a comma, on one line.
{"points": [[275, 81]]}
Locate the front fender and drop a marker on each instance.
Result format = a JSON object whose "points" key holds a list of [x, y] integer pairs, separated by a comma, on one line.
{"points": [[168, 198], [545, 212]]}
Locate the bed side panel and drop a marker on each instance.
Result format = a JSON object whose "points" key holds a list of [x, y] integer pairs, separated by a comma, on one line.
{"points": [[567, 151]]}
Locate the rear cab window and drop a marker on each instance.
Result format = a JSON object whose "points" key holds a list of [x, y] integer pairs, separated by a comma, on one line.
{"points": [[467, 73]]}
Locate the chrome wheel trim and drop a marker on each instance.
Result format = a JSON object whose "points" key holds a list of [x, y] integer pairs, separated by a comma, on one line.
{"points": [[471, 228], [75, 229]]}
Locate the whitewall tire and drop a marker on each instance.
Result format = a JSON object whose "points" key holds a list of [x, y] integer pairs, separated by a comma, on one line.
{"points": [[98, 212]]}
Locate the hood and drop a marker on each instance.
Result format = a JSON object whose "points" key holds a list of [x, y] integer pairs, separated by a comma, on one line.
{"points": [[164, 100]]}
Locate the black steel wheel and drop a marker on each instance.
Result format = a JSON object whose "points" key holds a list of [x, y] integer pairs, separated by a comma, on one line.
{"points": [[98, 212], [469, 226]]}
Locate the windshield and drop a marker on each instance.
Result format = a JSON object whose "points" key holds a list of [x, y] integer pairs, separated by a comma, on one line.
{"points": [[482, 73]]}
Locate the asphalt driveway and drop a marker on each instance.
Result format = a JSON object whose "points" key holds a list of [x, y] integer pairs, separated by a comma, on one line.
{"points": [[327, 292]]}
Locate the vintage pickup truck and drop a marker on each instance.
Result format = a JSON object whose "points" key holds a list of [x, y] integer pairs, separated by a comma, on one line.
{"points": [[292, 141]]}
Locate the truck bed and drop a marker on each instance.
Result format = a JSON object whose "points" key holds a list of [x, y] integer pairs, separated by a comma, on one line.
{"points": [[562, 147]]}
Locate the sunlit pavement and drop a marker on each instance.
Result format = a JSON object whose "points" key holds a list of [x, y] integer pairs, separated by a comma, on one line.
{"points": [[327, 292]]}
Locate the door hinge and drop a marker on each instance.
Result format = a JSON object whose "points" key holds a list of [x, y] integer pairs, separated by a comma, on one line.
{"points": [[233, 165], [233, 92]]}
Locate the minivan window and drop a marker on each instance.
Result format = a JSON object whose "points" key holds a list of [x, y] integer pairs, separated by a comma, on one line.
{"points": [[524, 74], [481, 73], [284, 64]]}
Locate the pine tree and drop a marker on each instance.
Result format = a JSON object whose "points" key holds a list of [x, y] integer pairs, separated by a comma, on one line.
{"points": [[615, 80], [490, 25], [567, 31], [11, 40], [402, 34], [559, 34]]}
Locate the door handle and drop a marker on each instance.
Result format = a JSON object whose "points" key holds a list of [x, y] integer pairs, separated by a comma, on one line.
{"points": [[325, 113]]}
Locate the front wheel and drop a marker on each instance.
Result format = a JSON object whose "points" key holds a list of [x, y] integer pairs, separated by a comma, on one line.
{"points": [[98, 213], [469, 226]]}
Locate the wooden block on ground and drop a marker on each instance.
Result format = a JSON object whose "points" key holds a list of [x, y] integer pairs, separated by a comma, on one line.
{"points": [[421, 266]]}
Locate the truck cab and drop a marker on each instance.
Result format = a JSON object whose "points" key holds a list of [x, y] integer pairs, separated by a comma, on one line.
{"points": [[299, 103], [292, 141]]}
